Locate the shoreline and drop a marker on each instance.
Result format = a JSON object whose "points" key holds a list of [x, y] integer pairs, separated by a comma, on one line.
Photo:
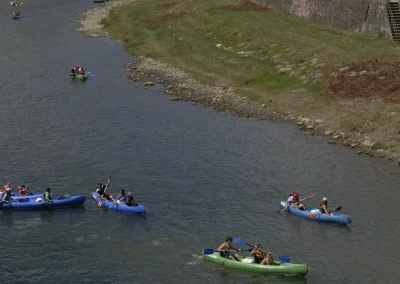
{"points": [[180, 86]]}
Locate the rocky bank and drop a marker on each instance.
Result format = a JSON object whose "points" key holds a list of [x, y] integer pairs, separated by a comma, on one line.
{"points": [[181, 87]]}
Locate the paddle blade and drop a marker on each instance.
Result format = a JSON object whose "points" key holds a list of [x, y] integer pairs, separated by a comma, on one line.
{"points": [[239, 241], [208, 251], [67, 195], [312, 195], [284, 258], [338, 209]]}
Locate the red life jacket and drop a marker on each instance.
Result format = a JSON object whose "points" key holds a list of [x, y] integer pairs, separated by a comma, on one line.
{"points": [[295, 195]]}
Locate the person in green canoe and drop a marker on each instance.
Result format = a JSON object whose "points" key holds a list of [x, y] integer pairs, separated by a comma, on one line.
{"points": [[226, 247], [260, 257]]}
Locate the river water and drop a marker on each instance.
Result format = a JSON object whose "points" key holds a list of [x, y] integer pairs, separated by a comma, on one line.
{"points": [[202, 175]]}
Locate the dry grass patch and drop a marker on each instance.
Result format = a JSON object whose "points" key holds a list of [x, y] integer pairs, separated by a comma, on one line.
{"points": [[373, 79], [246, 5], [166, 17]]}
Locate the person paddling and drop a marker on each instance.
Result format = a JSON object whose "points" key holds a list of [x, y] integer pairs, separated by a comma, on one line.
{"points": [[101, 193], [47, 196], [294, 201], [258, 254], [7, 185], [22, 188], [7, 196], [225, 247], [121, 197], [74, 70], [323, 206]]}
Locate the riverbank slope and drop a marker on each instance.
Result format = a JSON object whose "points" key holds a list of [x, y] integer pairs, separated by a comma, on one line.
{"points": [[248, 60]]}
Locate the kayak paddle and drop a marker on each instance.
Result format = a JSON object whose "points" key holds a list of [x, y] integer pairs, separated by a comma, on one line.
{"points": [[211, 251], [90, 74], [104, 192], [336, 210], [282, 258], [297, 202]]}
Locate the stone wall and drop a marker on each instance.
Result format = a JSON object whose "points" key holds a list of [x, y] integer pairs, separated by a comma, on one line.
{"points": [[364, 16]]}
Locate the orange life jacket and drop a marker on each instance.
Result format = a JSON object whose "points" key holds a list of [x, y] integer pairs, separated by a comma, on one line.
{"points": [[22, 191]]}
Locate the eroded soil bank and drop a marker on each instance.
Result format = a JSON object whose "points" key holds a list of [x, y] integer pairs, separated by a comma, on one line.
{"points": [[326, 81]]}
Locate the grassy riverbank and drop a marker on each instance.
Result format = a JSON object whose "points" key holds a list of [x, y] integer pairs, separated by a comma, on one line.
{"points": [[289, 65]]}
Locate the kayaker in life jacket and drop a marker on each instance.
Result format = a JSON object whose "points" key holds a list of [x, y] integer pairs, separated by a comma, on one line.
{"points": [[7, 185], [47, 196], [81, 72], [226, 247], [323, 206], [22, 188], [258, 254], [7, 196], [294, 201]]}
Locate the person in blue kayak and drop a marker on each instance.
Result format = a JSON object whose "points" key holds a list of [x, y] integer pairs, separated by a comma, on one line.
{"points": [[294, 201], [16, 14], [323, 206], [226, 247], [22, 188], [121, 197], [7, 196], [101, 193], [47, 195], [131, 202]]}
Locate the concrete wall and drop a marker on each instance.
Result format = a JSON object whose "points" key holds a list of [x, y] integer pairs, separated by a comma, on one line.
{"points": [[364, 16]]}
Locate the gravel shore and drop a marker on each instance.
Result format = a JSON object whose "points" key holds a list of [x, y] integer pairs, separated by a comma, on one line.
{"points": [[91, 19], [181, 87]]}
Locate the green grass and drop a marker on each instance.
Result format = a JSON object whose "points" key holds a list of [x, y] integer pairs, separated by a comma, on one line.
{"points": [[269, 39], [190, 42]]}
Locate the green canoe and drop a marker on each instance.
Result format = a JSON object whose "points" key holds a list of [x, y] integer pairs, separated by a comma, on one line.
{"points": [[81, 77], [249, 265]]}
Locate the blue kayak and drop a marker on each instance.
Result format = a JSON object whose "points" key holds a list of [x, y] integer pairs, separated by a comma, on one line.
{"points": [[139, 209], [16, 17], [29, 195], [314, 214], [31, 204]]}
